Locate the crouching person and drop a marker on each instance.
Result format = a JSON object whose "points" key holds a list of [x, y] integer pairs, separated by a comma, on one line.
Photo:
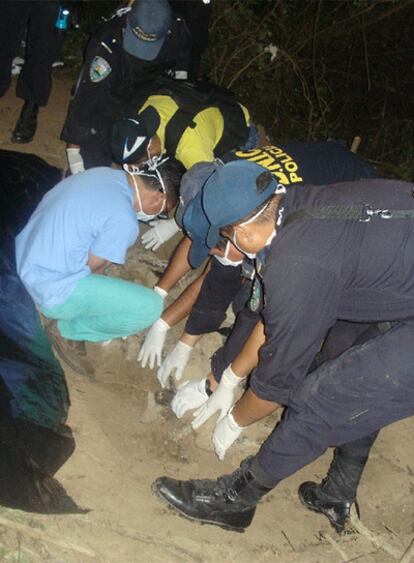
{"points": [[81, 226], [325, 254]]}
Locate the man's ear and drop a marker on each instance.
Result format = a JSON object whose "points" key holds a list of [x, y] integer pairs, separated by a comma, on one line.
{"points": [[244, 233], [154, 146]]}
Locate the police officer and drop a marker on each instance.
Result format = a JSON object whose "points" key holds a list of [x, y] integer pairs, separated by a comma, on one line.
{"points": [[291, 163], [137, 43], [336, 252], [196, 14], [42, 47]]}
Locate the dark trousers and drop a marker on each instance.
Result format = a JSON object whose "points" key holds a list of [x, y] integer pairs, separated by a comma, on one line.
{"points": [[246, 320], [42, 47], [349, 459], [344, 400], [220, 287]]}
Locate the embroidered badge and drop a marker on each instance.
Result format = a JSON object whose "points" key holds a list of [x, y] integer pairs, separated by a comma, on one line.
{"points": [[99, 69], [255, 302]]}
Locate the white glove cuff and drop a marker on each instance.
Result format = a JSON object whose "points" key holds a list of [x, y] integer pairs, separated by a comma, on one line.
{"points": [[161, 292], [175, 225], [184, 347], [234, 427], [202, 389], [229, 378], [75, 160], [161, 325]]}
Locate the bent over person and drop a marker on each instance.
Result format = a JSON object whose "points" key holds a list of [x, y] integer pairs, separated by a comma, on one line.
{"points": [[133, 46], [85, 223], [229, 277], [194, 123], [339, 252]]}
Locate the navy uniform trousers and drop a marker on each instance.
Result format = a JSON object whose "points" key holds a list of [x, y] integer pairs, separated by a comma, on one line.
{"points": [[350, 458], [42, 47], [345, 401]]}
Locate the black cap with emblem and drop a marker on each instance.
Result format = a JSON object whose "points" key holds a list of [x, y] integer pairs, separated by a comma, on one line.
{"points": [[131, 136]]}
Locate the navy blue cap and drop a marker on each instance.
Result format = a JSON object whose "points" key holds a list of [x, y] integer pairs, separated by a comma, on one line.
{"points": [[131, 136], [232, 193], [192, 183], [147, 26], [196, 225]]}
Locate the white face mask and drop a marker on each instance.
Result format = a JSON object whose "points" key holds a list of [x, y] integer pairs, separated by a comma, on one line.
{"points": [[144, 217], [225, 260], [270, 238]]}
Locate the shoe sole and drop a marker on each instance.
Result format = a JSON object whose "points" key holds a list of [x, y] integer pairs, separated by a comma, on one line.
{"points": [[68, 361], [16, 140], [338, 528], [179, 512]]}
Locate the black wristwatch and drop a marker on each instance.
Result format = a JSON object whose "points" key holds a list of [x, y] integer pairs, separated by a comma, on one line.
{"points": [[207, 388]]}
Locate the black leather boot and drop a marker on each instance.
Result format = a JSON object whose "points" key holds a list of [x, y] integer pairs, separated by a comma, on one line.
{"points": [[336, 494], [229, 501], [312, 496], [26, 124]]}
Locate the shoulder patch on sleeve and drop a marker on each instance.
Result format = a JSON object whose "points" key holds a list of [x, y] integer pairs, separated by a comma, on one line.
{"points": [[99, 69]]}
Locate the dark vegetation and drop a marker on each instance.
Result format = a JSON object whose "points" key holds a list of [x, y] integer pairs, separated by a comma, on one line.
{"points": [[314, 69]]}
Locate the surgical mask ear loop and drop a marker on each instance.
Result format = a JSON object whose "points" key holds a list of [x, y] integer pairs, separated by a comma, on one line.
{"points": [[227, 250], [250, 255], [138, 194], [135, 187]]}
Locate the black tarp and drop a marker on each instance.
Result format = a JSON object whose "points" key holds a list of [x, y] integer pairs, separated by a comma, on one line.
{"points": [[34, 401]]}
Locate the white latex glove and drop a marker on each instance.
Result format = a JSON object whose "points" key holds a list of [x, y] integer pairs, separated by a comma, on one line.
{"points": [[221, 400], [190, 395], [176, 360], [75, 161], [161, 292], [225, 434], [162, 230], [151, 350]]}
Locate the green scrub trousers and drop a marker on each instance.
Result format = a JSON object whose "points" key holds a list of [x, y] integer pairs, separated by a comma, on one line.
{"points": [[102, 308]]}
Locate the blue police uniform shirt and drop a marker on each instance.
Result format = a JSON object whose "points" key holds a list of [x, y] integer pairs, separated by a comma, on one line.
{"points": [[90, 213], [320, 271], [311, 162]]}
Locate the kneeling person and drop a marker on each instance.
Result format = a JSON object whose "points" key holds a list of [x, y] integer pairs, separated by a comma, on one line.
{"points": [[85, 223]]}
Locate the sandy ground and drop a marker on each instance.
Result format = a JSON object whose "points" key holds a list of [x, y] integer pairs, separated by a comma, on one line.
{"points": [[124, 441]]}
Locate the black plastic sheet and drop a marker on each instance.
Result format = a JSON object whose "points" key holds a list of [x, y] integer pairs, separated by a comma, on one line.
{"points": [[34, 399]]}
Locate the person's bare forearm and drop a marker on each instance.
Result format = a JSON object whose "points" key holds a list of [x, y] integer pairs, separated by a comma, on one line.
{"points": [[97, 265], [101, 269], [248, 358], [72, 146], [250, 408], [177, 267], [190, 339], [182, 306]]}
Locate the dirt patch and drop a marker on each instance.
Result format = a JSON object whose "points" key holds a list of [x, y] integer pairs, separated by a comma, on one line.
{"points": [[125, 440]]}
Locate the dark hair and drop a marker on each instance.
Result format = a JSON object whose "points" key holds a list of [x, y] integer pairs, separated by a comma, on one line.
{"points": [[222, 243], [171, 172]]}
